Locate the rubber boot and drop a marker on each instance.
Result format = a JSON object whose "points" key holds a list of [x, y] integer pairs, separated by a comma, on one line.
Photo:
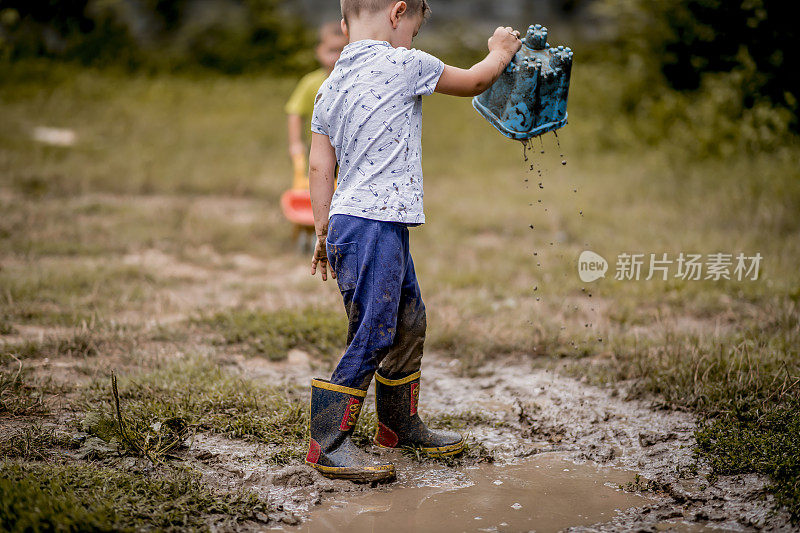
{"points": [[400, 425], [334, 413]]}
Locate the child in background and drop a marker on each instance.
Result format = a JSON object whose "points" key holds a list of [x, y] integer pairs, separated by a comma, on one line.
{"points": [[368, 118], [300, 106]]}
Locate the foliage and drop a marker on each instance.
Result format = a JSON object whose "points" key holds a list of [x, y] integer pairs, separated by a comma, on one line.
{"points": [[231, 36], [719, 74]]}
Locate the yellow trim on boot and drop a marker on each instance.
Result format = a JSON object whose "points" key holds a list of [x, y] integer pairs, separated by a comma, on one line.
{"points": [[445, 451], [401, 381], [322, 384], [362, 473], [433, 451]]}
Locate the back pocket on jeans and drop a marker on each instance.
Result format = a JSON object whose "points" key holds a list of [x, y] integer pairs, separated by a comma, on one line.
{"points": [[343, 259]]}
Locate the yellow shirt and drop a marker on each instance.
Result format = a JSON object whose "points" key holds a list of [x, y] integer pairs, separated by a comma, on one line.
{"points": [[302, 103], [302, 100]]}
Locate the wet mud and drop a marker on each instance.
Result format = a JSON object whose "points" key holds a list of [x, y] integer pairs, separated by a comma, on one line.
{"points": [[542, 493], [553, 438]]}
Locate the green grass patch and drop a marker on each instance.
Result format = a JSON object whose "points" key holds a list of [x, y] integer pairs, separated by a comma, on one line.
{"points": [[34, 442], [71, 293], [17, 397], [744, 384], [272, 334], [764, 440], [202, 396], [88, 497], [144, 134], [82, 342]]}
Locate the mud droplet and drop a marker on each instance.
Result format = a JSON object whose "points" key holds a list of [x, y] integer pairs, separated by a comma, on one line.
{"points": [[540, 185], [531, 226], [564, 162]]}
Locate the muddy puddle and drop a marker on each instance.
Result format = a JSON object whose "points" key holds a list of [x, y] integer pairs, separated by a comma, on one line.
{"points": [[542, 493]]}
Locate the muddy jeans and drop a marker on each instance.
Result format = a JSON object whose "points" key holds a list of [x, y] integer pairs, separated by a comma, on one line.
{"points": [[381, 295]]}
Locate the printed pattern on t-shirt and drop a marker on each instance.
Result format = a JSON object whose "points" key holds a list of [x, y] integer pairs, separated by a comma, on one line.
{"points": [[371, 109]]}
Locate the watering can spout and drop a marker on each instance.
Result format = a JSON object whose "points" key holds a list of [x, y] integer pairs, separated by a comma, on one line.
{"points": [[530, 97]]}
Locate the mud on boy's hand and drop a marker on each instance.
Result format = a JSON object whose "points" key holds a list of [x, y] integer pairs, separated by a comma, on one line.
{"points": [[505, 40], [321, 258]]}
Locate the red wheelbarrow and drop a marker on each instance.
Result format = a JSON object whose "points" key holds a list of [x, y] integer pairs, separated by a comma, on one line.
{"points": [[296, 207]]}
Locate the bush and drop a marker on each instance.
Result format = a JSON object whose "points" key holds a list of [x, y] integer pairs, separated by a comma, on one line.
{"points": [[231, 36], [718, 74]]}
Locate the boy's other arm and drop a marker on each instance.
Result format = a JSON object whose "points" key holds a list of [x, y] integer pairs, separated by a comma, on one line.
{"points": [[322, 179], [296, 144], [503, 45]]}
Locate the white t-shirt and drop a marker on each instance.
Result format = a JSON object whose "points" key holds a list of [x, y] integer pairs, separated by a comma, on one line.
{"points": [[371, 109]]}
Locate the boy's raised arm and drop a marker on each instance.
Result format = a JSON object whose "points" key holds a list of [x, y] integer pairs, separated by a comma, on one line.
{"points": [[503, 45], [321, 178]]}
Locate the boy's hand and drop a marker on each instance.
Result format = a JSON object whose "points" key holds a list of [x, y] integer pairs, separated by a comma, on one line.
{"points": [[321, 258], [505, 40]]}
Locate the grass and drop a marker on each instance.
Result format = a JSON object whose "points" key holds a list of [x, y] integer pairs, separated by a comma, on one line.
{"points": [[70, 293], [273, 334], [745, 386], [35, 442], [87, 497], [765, 441], [174, 184], [18, 398], [82, 342], [200, 395]]}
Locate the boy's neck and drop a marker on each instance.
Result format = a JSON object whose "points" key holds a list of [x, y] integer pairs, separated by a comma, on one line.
{"points": [[375, 27]]}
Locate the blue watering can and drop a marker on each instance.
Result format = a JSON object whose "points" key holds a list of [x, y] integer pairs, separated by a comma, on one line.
{"points": [[530, 97]]}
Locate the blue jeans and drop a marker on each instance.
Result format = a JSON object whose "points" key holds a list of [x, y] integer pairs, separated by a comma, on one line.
{"points": [[381, 295]]}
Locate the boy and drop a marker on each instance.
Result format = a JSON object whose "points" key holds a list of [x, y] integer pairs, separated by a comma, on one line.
{"points": [[300, 106], [368, 118]]}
